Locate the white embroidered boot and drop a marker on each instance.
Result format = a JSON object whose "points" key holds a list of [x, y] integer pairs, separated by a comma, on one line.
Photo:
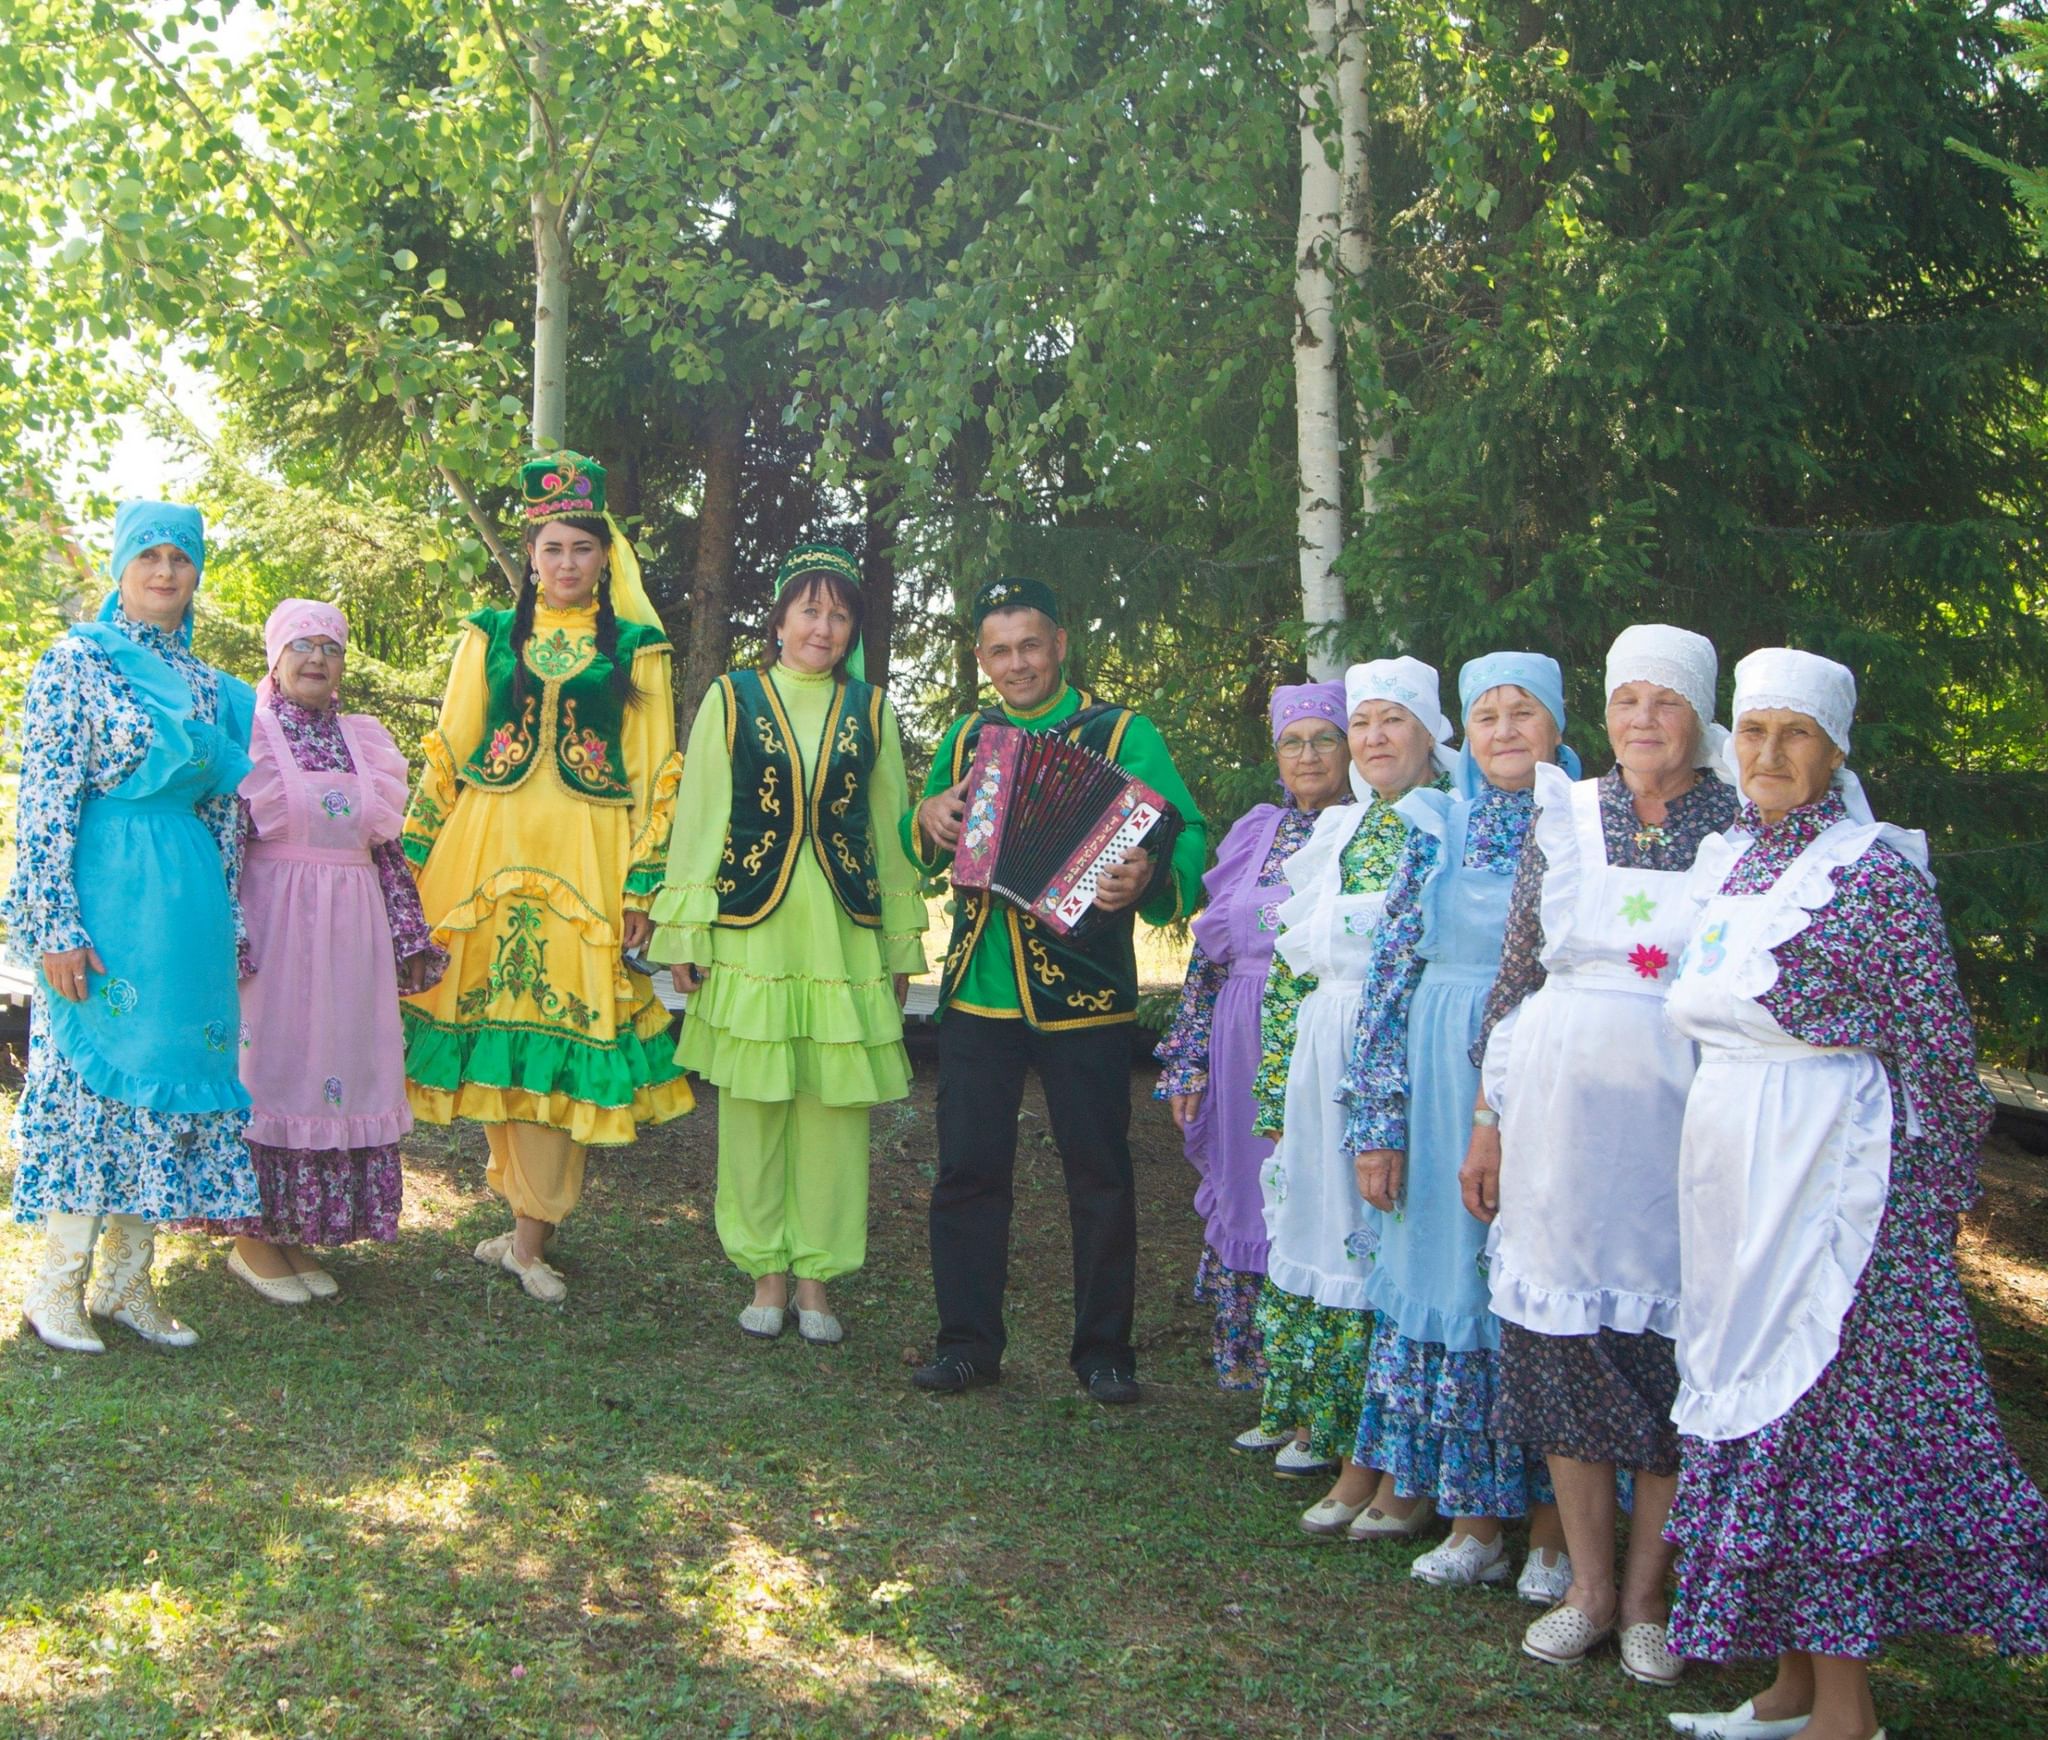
{"points": [[122, 1290], [55, 1305]]}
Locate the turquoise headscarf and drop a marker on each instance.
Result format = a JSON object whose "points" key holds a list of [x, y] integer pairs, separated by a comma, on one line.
{"points": [[142, 525], [1536, 674]]}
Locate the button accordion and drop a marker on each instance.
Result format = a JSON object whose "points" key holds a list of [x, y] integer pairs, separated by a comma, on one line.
{"points": [[1045, 817]]}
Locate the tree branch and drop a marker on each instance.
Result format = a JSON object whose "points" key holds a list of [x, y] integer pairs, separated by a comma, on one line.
{"points": [[533, 94]]}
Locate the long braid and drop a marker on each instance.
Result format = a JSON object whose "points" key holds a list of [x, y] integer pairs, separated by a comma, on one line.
{"points": [[522, 632], [624, 691]]}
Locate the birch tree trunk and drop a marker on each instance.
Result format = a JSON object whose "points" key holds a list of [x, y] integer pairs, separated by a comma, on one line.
{"points": [[1318, 431], [1372, 440], [718, 529], [550, 266]]}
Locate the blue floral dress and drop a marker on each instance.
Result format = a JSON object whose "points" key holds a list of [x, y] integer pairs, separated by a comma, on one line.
{"points": [[84, 732]]}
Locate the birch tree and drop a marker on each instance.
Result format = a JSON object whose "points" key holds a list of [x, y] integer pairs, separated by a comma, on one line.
{"points": [[1318, 370]]}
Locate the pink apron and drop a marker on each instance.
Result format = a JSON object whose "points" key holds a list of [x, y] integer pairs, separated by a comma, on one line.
{"points": [[322, 1055]]}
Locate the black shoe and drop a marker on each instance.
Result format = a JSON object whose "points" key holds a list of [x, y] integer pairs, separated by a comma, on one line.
{"points": [[1111, 1387], [951, 1373]]}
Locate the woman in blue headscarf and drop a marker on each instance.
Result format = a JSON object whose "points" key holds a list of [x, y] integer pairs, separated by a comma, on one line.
{"points": [[123, 900], [1409, 1096]]}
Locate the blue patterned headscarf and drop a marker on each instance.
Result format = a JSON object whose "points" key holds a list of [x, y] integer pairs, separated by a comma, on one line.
{"points": [[1537, 675], [142, 525]]}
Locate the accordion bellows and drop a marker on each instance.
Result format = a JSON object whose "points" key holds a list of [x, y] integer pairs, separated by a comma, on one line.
{"points": [[1044, 819]]}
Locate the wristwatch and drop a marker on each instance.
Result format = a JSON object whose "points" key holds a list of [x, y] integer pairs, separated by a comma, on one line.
{"points": [[1485, 1118]]}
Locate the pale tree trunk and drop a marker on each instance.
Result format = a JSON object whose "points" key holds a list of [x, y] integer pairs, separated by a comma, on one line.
{"points": [[718, 527], [1318, 432], [1373, 441], [550, 268], [878, 580]]}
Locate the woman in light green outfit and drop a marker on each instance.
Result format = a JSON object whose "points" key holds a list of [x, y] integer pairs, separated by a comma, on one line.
{"points": [[796, 922]]}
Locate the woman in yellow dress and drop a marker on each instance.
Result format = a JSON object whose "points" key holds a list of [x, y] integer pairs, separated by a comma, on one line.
{"points": [[539, 833]]}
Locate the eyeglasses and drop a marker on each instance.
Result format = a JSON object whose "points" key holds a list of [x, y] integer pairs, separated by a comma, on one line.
{"points": [[1321, 744], [326, 648]]}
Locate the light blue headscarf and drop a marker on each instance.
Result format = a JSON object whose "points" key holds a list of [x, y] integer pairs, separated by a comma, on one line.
{"points": [[1536, 674], [142, 525]]}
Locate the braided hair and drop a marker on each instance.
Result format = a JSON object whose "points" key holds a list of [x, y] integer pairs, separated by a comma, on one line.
{"points": [[623, 688]]}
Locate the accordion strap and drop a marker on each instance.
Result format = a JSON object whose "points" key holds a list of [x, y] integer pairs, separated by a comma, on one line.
{"points": [[1067, 727]]}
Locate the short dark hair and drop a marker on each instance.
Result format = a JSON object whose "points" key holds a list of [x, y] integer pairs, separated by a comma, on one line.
{"points": [[838, 588]]}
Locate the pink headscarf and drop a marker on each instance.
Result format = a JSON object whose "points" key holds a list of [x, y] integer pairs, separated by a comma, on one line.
{"points": [[296, 619]]}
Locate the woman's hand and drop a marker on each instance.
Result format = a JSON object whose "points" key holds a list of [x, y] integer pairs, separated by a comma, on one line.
{"points": [[65, 973], [902, 983], [687, 977], [415, 974], [1381, 1172], [1184, 1108], [1479, 1177], [634, 933]]}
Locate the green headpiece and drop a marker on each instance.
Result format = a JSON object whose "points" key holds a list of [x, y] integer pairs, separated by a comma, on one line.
{"points": [[562, 483], [1013, 592], [808, 559]]}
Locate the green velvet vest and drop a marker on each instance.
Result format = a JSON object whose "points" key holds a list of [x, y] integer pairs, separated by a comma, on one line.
{"points": [[1063, 982], [773, 814], [569, 719]]}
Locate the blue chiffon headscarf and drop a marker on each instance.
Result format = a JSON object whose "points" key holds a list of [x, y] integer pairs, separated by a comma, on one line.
{"points": [[1536, 674]]}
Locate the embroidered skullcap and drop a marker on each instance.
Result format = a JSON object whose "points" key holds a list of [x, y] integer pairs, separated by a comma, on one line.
{"points": [[808, 559], [1675, 659], [562, 483], [1295, 701], [142, 525], [1537, 675], [1409, 683], [1800, 682], [1015, 592]]}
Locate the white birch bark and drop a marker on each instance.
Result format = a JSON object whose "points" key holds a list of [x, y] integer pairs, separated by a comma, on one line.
{"points": [[1318, 377], [1372, 440], [550, 269]]}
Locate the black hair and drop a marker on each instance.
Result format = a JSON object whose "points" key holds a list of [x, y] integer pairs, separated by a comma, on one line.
{"points": [[835, 586], [623, 688]]}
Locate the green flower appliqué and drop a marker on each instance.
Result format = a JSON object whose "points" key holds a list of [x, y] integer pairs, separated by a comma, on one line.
{"points": [[1638, 908]]}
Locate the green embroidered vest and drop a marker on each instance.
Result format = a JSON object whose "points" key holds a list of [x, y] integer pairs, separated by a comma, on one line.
{"points": [[1063, 982], [774, 813], [569, 718]]}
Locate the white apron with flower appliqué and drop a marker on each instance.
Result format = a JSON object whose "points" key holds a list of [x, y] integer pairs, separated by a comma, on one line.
{"points": [[1590, 1081], [1786, 1159], [1321, 1248]]}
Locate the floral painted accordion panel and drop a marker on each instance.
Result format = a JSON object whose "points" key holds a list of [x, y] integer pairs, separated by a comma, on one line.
{"points": [[1045, 818]]}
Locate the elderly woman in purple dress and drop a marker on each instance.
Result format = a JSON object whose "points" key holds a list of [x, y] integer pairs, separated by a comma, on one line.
{"points": [[1844, 1479], [1211, 1052], [335, 933]]}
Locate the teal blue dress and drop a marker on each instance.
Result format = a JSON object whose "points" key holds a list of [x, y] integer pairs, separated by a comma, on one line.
{"points": [[126, 838]]}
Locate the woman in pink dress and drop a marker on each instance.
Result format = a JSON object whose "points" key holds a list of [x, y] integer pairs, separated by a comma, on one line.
{"points": [[335, 932]]}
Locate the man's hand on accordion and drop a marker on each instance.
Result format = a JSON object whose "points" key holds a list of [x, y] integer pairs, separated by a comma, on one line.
{"points": [[1121, 884], [939, 816]]}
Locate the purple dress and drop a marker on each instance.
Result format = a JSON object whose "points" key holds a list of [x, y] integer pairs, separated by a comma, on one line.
{"points": [[1885, 1500], [335, 1196], [1212, 1048]]}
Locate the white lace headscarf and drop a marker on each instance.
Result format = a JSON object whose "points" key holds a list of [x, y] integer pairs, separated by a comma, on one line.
{"points": [[1675, 659], [1408, 683]]}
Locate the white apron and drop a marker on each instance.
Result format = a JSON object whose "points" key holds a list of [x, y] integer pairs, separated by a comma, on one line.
{"points": [[1321, 1247], [1786, 1158], [1590, 1082]]}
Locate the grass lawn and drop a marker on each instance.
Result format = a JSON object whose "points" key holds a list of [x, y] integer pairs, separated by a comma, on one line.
{"points": [[436, 1508]]}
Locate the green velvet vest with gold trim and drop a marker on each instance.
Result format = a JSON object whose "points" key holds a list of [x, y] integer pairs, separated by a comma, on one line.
{"points": [[568, 720], [774, 813], [1063, 982]]}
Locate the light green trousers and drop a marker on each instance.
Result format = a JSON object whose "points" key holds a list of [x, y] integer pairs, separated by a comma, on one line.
{"points": [[792, 1186]]}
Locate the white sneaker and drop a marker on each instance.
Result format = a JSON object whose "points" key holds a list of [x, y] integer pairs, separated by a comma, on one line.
{"points": [[1545, 1577], [1460, 1563], [1297, 1461], [1256, 1443]]}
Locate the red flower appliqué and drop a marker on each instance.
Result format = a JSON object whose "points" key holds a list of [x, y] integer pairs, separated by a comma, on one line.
{"points": [[1648, 960]]}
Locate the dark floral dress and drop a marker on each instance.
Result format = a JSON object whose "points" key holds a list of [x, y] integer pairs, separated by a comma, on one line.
{"points": [[1885, 1500], [1605, 1397]]}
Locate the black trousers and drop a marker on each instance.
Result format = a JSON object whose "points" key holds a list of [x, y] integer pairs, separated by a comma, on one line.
{"points": [[1087, 1080]]}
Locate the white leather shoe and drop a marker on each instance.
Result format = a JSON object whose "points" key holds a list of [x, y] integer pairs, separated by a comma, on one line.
{"points": [[763, 1322], [1297, 1461], [1646, 1654], [1328, 1516], [1463, 1562], [1373, 1524], [819, 1328], [1740, 1723], [1253, 1442], [540, 1281], [278, 1289], [319, 1283], [1546, 1577]]}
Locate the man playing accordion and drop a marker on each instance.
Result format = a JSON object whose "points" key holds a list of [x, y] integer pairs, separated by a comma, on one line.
{"points": [[1015, 993]]}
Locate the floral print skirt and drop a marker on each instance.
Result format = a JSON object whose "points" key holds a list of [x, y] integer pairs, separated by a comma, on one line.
{"points": [[320, 1197], [1315, 1369], [1604, 1397], [1425, 1422], [1236, 1346], [1884, 1501], [81, 1153]]}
